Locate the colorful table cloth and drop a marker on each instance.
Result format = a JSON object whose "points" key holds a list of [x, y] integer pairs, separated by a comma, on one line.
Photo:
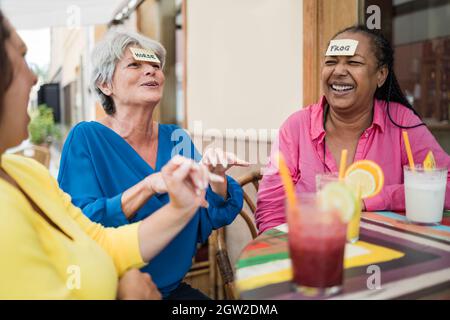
{"points": [[414, 262]]}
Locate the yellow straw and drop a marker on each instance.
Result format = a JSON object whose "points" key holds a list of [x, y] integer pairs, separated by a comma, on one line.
{"points": [[408, 150], [287, 181], [358, 192], [343, 164]]}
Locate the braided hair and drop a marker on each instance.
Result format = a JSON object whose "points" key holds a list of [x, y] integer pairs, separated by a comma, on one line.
{"points": [[390, 90], [5, 65]]}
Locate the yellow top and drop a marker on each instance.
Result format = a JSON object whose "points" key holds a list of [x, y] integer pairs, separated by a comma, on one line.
{"points": [[37, 261]]}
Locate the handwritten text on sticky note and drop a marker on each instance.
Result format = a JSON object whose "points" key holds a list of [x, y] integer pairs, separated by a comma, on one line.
{"points": [[144, 55], [342, 47]]}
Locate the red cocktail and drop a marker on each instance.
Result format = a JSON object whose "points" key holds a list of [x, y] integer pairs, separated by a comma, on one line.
{"points": [[316, 244]]}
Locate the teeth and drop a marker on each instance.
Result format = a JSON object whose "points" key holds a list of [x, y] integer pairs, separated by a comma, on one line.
{"points": [[338, 87]]}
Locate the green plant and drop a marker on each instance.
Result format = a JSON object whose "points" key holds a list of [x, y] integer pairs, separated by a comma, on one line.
{"points": [[42, 127]]}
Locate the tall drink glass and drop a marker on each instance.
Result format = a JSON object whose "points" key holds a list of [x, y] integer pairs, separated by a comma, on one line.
{"points": [[353, 226], [316, 245], [424, 194], [322, 179]]}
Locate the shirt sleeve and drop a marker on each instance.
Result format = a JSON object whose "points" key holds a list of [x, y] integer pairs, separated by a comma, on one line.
{"points": [[30, 273], [84, 188], [392, 197], [121, 244], [221, 212], [270, 207]]}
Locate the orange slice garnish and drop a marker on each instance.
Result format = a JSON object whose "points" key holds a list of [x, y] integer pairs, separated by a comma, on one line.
{"points": [[367, 175]]}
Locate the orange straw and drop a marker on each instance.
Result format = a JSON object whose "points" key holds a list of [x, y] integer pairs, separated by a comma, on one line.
{"points": [[343, 164], [408, 150], [287, 181]]}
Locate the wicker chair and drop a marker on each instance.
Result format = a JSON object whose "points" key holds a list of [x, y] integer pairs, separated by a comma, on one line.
{"points": [[202, 274], [40, 154], [223, 261]]}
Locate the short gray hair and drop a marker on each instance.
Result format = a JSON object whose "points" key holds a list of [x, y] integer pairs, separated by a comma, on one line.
{"points": [[109, 51]]}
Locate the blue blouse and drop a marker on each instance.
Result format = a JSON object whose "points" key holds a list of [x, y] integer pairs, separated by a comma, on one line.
{"points": [[97, 166]]}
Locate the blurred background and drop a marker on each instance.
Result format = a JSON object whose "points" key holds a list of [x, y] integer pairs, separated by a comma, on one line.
{"points": [[231, 64]]}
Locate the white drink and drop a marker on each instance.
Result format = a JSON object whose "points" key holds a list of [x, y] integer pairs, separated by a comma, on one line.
{"points": [[425, 194]]}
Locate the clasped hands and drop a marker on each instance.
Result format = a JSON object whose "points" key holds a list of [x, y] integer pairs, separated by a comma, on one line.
{"points": [[197, 176]]}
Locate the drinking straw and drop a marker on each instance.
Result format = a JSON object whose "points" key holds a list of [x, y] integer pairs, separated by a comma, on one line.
{"points": [[408, 150], [287, 181], [343, 164], [358, 192]]}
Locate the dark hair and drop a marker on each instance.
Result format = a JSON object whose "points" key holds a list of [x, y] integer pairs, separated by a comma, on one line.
{"points": [[390, 90], [5, 64]]}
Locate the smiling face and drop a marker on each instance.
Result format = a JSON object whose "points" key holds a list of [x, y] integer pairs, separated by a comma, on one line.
{"points": [[14, 117], [135, 82], [349, 82]]}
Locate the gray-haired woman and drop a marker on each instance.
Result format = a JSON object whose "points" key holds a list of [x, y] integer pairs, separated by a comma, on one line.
{"points": [[48, 248], [111, 168]]}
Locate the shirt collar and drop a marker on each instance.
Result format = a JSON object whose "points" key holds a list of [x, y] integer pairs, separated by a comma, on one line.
{"points": [[317, 130], [379, 115], [316, 126]]}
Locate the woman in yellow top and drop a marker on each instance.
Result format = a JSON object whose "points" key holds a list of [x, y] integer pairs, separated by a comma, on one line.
{"points": [[48, 248]]}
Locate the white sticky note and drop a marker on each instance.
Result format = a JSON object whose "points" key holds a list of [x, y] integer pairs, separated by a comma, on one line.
{"points": [[342, 47], [144, 55]]}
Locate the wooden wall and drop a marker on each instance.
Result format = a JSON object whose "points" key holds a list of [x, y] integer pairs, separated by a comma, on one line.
{"points": [[321, 20]]}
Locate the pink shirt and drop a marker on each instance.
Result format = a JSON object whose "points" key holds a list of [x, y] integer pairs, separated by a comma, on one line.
{"points": [[301, 141]]}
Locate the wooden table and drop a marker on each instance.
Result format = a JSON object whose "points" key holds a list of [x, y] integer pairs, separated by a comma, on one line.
{"points": [[414, 262]]}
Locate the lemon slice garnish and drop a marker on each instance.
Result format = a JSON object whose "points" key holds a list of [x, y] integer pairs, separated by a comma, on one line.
{"points": [[429, 163], [337, 196], [366, 174], [364, 179]]}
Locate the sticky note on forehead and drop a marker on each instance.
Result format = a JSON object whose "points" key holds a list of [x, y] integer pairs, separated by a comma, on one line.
{"points": [[144, 55], [342, 47]]}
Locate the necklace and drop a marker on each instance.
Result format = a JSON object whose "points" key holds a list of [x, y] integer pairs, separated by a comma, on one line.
{"points": [[325, 114]]}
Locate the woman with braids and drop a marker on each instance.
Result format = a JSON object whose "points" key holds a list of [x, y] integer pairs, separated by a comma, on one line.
{"points": [[48, 248], [364, 111]]}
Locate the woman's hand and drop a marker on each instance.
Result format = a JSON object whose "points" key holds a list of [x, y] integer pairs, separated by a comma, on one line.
{"points": [[186, 183], [218, 162], [155, 183], [135, 197], [136, 285]]}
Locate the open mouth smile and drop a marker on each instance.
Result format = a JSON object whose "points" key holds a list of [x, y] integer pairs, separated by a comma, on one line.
{"points": [[151, 84], [341, 88]]}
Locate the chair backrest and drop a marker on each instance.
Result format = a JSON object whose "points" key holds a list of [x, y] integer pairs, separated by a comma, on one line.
{"points": [[40, 154], [222, 257]]}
